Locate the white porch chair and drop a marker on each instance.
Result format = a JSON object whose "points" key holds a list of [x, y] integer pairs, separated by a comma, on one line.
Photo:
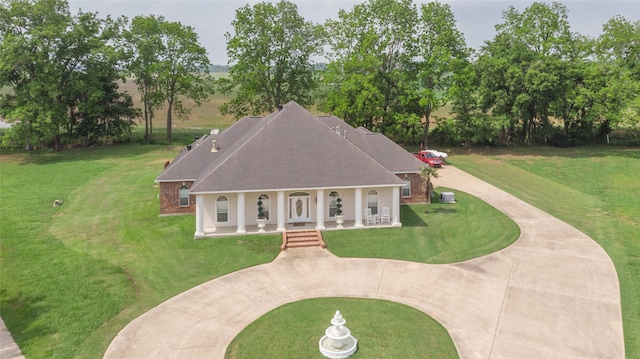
{"points": [[371, 219], [386, 214]]}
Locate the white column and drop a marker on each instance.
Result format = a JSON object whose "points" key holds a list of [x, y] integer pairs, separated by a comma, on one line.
{"points": [[320, 209], [241, 220], [358, 218], [199, 216], [281, 206], [395, 208]]}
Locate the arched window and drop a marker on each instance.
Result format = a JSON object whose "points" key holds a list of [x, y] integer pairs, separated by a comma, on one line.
{"points": [[333, 203], [406, 188], [265, 205], [184, 195], [222, 209], [372, 201]]}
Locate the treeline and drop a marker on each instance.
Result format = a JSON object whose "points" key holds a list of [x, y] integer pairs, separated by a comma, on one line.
{"points": [[391, 64], [61, 73], [388, 66]]}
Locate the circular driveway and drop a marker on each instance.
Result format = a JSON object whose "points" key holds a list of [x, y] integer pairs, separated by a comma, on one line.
{"points": [[552, 294]]}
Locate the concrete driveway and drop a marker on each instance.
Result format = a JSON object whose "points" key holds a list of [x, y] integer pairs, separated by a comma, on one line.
{"points": [[553, 294]]}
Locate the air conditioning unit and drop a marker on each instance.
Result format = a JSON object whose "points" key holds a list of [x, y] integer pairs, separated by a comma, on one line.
{"points": [[448, 197]]}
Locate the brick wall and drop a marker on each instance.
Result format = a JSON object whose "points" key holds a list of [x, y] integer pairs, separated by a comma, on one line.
{"points": [[170, 198], [417, 189]]}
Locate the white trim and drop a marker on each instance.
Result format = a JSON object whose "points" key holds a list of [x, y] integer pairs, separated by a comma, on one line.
{"points": [[176, 180], [358, 209], [302, 189], [320, 209], [395, 209], [216, 213], [240, 203], [281, 217], [407, 179], [199, 217]]}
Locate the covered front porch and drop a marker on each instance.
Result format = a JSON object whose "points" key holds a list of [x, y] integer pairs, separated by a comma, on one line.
{"points": [[273, 228], [223, 214]]}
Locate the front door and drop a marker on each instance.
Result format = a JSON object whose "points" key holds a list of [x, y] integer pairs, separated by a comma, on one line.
{"points": [[298, 208]]}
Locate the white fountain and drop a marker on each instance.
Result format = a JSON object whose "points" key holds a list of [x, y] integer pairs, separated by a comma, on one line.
{"points": [[338, 341]]}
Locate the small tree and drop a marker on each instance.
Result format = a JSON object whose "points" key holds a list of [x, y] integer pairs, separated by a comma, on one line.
{"points": [[260, 210], [427, 173], [339, 206]]}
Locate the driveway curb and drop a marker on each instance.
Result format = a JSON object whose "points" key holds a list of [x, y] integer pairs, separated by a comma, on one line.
{"points": [[554, 293]]}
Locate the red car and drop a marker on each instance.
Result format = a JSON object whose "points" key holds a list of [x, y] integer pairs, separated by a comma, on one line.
{"points": [[429, 158]]}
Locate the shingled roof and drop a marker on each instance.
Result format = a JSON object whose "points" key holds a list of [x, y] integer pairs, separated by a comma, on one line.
{"points": [[289, 149]]}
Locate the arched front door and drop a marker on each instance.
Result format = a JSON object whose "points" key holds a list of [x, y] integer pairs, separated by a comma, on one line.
{"points": [[299, 207]]}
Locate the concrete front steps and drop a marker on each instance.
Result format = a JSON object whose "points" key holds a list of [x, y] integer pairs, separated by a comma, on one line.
{"points": [[295, 239]]}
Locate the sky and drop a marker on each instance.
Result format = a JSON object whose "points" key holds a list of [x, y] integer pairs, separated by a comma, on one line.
{"points": [[476, 19]]}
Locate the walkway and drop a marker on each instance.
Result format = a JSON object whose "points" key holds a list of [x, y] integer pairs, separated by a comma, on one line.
{"points": [[8, 347], [553, 294]]}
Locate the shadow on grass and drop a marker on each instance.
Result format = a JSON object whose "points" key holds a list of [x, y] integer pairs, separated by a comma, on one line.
{"points": [[412, 219], [445, 208], [21, 314]]}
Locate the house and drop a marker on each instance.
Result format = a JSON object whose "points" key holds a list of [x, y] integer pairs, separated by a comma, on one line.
{"points": [[297, 164]]}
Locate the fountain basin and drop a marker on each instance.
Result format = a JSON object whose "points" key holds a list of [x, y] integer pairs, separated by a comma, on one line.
{"points": [[345, 347]]}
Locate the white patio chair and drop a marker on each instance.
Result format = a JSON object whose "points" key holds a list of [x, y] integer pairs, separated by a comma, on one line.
{"points": [[371, 219], [386, 214]]}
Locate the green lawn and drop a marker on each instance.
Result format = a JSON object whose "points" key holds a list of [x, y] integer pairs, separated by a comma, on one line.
{"points": [[74, 275], [383, 329], [595, 189], [445, 235]]}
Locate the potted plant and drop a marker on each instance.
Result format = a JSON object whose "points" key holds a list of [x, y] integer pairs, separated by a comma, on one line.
{"points": [[262, 220], [339, 215]]}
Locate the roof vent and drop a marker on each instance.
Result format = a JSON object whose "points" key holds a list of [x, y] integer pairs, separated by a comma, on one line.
{"points": [[214, 148]]}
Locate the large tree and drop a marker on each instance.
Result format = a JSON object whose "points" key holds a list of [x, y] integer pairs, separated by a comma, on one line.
{"points": [[619, 45], [168, 64], [142, 52], [56, 65], [270, 52], [522, 69], [369, 52], [440, 52], [391, 65]]}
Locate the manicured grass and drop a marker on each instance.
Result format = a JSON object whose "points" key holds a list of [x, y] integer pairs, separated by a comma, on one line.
{"points": [[445, 235], [383, 330], [595, 189], [73, 276]]}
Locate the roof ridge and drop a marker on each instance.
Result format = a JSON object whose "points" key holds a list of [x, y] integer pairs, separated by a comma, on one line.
{"points": [[238, 144]]}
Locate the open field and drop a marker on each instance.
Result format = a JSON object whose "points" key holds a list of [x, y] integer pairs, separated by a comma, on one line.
{"points": [[208, 116], [595, 189]]}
